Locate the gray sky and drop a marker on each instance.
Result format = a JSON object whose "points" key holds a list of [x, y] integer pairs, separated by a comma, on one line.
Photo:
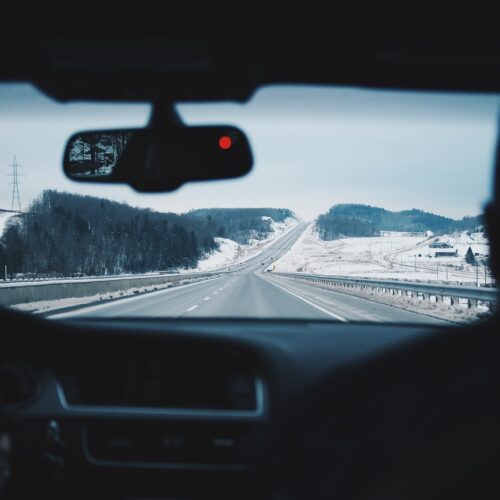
{"points": [[313, 146]]}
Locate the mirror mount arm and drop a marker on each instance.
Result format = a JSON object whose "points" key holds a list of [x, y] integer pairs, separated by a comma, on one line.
{"points": [[164, 116]]}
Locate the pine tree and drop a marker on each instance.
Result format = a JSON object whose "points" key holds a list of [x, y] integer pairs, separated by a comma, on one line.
{"points": [[469, 256]]}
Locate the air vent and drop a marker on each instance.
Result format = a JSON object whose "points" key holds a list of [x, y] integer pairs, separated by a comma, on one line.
{"points": [[178, 443], [177, 379]]}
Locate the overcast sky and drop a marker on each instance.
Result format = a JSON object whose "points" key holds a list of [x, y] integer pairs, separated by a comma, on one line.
{"points": [[313, 146]]}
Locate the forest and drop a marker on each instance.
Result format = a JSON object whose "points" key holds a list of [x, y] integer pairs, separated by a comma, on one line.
{"points": [[67, 234], [347, 220], [243, 224]]}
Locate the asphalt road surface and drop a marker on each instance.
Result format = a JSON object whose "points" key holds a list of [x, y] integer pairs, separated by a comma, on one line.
{"points": [[250, 292]]}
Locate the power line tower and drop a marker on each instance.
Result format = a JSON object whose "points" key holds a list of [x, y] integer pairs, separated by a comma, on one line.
{"points": [[14, 173]]}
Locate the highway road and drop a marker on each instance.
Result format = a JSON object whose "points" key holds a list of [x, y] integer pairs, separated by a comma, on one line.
{"points": [[249, 292]]}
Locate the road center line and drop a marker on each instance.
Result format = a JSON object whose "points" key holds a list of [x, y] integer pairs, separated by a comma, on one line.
{"points": [[132, 299], [206, 298], [192, 308], [333, 315]]}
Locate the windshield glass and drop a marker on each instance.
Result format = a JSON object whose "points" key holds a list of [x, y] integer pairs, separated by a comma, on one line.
{"points": [[362, 205]]}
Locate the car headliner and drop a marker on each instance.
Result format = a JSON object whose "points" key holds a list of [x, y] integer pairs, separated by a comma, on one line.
{"points": [[210, 56]]}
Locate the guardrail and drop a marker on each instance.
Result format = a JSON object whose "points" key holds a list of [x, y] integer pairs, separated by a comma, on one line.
{"points": [[464, 295], [20, 293]]}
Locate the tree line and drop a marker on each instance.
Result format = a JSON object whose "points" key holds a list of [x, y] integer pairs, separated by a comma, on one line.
{"points": [[242, 224], [347, 220], [67, 234]]}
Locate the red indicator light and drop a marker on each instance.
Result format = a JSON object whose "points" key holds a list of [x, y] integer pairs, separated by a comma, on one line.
{"points": [[225, 142]]}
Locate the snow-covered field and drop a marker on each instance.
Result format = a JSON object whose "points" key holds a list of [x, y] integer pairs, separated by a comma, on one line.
{"points": [[5, 217], [391, 256], [231, 253]]}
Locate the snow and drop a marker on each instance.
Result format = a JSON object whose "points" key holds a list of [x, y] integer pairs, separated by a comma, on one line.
{"points": [[231, 253], [226, 255], [5, 217], [278, 230], [394, 255]]}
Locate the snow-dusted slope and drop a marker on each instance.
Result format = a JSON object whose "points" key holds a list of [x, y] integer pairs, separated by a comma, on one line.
{"points": [[231, 253], [392, 256]]}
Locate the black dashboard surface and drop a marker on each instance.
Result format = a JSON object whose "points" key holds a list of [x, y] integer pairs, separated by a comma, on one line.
{"points": [[286, 355], [180, 404]]}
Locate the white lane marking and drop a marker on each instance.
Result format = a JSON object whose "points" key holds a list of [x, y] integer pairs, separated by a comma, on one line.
{"points": [[206, 298], [215, 293], [192, 308], [336, 316], [127, 299]]}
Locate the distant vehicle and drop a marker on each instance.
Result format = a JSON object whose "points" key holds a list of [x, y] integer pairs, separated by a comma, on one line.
{"points": [[262, 263], [269, 270]]}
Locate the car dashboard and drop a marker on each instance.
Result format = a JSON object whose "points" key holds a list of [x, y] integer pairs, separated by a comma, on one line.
{"points": [[167, 408]]}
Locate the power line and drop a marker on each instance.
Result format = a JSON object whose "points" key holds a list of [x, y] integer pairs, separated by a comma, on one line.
{"points": [[14, 173]]}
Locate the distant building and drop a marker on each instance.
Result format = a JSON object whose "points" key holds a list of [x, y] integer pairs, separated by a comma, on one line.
{"points": [[442, 249], [446, 253], [439, 244], [401, 233]]}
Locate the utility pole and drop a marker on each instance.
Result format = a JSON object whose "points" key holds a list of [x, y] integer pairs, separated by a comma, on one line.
{"points": [[14, 173]]}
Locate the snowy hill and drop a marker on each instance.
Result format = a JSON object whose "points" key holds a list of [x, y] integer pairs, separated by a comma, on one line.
{"points": [[348, 219], [68, 233]]}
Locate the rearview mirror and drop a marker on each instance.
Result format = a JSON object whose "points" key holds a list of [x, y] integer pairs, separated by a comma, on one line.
{"points": [[158, 159]]}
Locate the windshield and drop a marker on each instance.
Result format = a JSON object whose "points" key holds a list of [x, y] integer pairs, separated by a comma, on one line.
{"points": [[362, 205]]}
